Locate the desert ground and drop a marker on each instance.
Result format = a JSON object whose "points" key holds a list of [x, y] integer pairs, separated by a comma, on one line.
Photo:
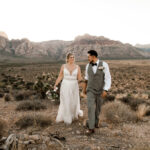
{"points": [[27, 115]]}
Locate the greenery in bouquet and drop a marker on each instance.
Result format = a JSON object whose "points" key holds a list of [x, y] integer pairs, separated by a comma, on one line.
{"points": [[53, 95]]}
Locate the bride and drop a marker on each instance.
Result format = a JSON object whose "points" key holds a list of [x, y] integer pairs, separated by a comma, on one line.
{"points": [[69, 107]]}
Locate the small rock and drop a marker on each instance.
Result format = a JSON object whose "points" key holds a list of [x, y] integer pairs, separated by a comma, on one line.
{"points": [[78, 132], [26, 136], [46, 139], [34, 137], [69, 129], [26, 142]]}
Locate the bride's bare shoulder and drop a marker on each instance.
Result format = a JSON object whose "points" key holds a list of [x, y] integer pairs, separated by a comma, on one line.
{"points": [[62, 66], [77, 66]]}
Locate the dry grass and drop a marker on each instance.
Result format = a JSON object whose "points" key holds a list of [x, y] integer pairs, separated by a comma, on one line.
{"points": [[117, 112], [132, 102], [2, 85], [3, 126], [141, 106], [31, 105], [142, 110], [109, 98], [22, 95], [1, 94], [33, 120], [141, 148], [7, 97]]}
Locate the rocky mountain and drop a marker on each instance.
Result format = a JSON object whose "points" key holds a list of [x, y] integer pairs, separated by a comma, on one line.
{"points": [[3, 34], [27, 49], [106, 48], [57, 49]]}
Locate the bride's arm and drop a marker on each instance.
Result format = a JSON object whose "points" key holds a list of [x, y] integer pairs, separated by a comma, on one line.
{"points": [[60, 76], [83, 85], [79, 76]]}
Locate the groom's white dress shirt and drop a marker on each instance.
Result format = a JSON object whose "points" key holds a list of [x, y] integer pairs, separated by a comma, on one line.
{"points": [[107, 76]]}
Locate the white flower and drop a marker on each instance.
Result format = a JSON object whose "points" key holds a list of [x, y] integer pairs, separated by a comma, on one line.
{"points": [[101, 68]]}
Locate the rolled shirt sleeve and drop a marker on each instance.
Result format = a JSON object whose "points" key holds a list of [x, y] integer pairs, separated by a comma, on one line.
{"points": [[107, 77], [86, 72]]}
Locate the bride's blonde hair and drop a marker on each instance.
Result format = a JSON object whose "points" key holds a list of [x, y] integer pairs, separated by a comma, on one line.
{"points": [[68, 56]]}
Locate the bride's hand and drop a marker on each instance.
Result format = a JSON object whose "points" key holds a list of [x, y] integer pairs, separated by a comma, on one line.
{"points": [[54, 87], [83, 95]]}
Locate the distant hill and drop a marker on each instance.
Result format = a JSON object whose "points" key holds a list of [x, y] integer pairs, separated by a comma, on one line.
{"points": [[145, 47], [56, 50]]}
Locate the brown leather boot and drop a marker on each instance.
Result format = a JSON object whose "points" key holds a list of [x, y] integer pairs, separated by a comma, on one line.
{"points": [[90, 131]]}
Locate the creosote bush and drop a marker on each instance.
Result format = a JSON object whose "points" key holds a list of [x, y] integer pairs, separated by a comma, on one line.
{"points": [[117, 112], [33, 120], [31, 105]]}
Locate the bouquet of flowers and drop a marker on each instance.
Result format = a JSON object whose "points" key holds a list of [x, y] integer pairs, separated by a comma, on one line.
{"points": [[53, 95]]}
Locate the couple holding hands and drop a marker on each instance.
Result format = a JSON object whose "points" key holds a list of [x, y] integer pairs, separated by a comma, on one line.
{"points": [[97, 82]]}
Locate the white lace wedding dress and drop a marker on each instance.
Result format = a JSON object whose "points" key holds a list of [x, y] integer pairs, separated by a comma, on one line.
{"points": [[69, 107]]}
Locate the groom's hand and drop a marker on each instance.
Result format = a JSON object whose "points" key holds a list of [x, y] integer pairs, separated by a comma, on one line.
{"points": [[83, 95], [104, 94]]}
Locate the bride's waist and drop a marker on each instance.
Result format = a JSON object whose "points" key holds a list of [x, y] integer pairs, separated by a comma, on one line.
{"points": [[69, 79]]}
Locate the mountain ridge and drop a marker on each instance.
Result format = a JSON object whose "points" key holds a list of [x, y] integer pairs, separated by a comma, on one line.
{"points": [[56, 50]]}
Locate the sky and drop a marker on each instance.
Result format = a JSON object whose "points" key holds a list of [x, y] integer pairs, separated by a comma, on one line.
{"points": [[42, 20]]}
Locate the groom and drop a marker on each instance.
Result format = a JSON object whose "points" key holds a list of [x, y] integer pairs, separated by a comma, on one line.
{"points": [[98, 82]]}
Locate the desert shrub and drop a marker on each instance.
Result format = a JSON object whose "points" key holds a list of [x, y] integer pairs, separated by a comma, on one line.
{"points": [[7, 97], [109, 98], [117, 112], [33, 120], [23, 69], [22, 95], [2, 85], [132, 102], [29, 85], [148, 112], [31, 105], [2, 127], [143, 110], [1, 95]]}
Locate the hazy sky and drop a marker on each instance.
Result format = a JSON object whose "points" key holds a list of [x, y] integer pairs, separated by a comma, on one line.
{"points": [[41, 20]]}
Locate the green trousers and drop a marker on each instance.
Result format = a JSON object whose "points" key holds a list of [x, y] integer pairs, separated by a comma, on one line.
{"points": [[94, 102]]}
